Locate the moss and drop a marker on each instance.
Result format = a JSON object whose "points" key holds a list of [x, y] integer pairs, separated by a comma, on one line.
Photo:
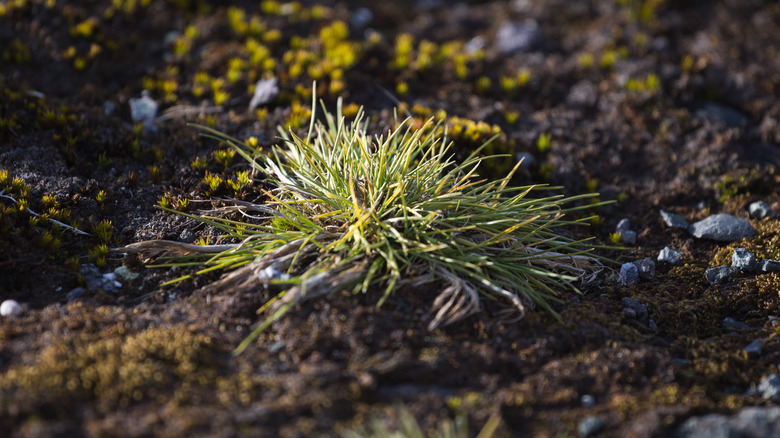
{"points": [[115, 370]]}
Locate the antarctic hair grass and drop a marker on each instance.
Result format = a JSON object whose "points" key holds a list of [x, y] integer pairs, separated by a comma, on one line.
{"points": [[360, 212]]}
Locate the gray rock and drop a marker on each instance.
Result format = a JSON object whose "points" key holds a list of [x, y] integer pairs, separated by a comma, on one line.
{"points": [[760, 210], [673, 220], [753, 349], [628, 237], [75, 294], [720, 113], [629, 274], [721, 227], [10, 308], [669, 255], [639, 309], [517, 37], [770, 387], [646, 268], [750, 422], [623, 225], [360, 18], [767, 265], [143, 109], [587, 401], [526, 158], [266, 90], [732, 324], [719, 275], [590, 425], [95, 280], [126, 274], [744, 260]]}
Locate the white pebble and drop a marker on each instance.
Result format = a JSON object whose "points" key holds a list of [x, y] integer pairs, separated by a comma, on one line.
{"points": [[10, 308]]}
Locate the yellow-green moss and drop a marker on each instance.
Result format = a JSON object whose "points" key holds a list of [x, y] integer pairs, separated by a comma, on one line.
{"points": [[115, 370]]}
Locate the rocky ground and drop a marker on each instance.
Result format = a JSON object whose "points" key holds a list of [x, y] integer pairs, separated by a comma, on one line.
{"points": [[657, 105]]}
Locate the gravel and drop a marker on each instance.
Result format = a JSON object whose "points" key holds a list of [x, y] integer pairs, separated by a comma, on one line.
{"points": [[753, 349], [750, 422], [767, 265], [673, 220], [10, 308], [722, 228], [770, 387], [719, 275], [669, 255], [629, 274], [760, 210], [646, 268], [744, 260]]}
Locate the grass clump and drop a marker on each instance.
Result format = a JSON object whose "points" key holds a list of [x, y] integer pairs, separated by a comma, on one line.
{"points": [[352, 211]]}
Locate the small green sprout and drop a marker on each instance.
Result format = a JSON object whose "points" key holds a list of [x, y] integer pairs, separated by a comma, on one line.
{"points": [[155, 173], [224, 156], [483, 84], [199, 163], [213, 181], [544, 142], [101, 197], [164, 202], [523, 78], [99, 255], [103, 231], [103, 159], [615, 237]]}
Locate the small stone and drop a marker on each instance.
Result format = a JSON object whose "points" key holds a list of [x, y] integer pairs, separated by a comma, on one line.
{"points": [[623, 225], [629, 274], [10, 308], [750, 422], [125, 273], [517, 37], [269, 273], [646, 268], [172, 295], [590, 425], [669, 255], [276, 347], [474, 45], [266, 90], [673, 220], [767, 265], [628, 237], [770, 387], [722, 227], [760, 210], [732, 324], [144, 110], [360, 18], [75, 294], [629, 313], [525, 159], [719, 113], [652, 326], [639, 309], [753, 349], [743, 260], [719, 275], [587, 401]]}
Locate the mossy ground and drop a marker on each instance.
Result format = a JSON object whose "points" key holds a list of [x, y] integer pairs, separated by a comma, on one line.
{"points": [[613, 88]]}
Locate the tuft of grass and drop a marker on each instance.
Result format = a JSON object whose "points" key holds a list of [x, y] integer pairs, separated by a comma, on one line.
{"points": [[352, 211]]}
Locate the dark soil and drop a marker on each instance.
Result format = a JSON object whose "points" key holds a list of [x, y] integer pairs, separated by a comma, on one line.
{"points": [[655, 104]]}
